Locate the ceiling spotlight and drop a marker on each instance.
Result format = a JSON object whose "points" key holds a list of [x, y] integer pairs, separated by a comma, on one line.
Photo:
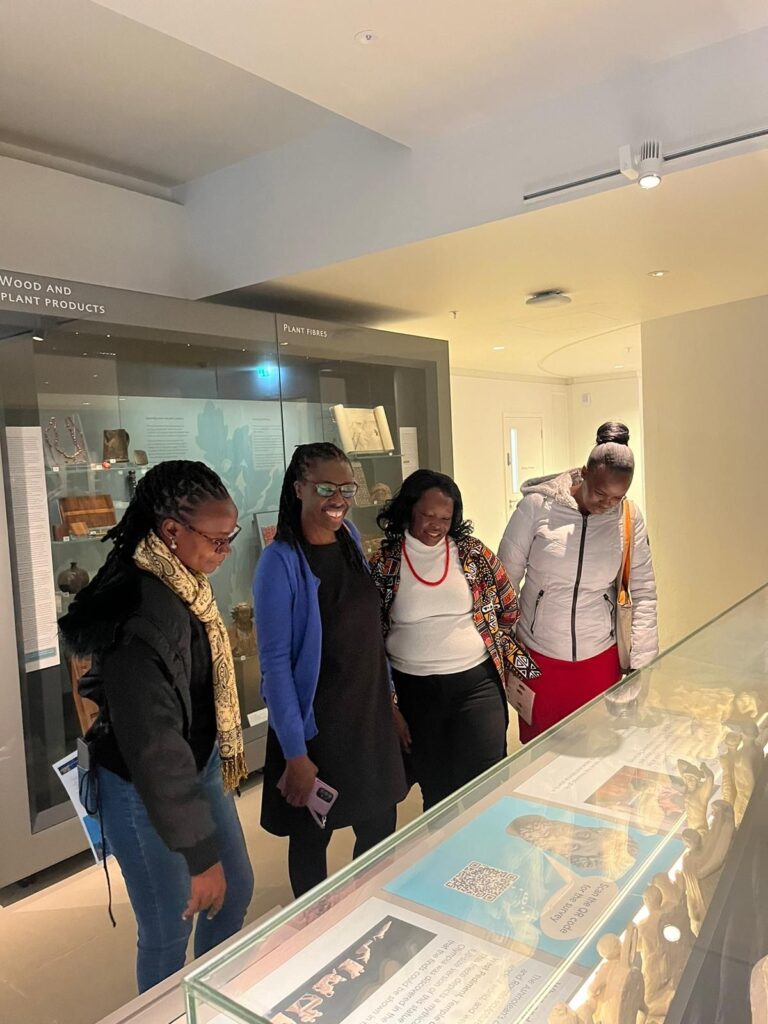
{"points": [[366, 37], [550, 297], [37, 337], [499, 348], [657, 273], [645, 166]]}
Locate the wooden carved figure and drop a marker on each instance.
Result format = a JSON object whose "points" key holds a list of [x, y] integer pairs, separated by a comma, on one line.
{"points": [[699, 786], [617, 994], [677, 924], [703, 861], [654, 948]]}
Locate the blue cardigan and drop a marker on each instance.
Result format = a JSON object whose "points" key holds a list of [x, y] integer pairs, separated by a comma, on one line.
{"points": [[290, 639]]}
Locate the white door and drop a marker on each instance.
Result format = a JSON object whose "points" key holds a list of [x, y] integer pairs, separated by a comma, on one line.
{"points": [[524, 455]]}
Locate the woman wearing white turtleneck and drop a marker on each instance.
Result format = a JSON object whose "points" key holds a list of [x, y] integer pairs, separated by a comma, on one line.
{"points": [[448, 611]]}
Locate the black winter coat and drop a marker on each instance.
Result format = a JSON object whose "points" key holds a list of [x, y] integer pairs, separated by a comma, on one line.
{"points": [[143, 643]]}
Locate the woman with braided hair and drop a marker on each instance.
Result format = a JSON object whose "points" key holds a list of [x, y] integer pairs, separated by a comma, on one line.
{"points": [[167, 745], [325, 679]]}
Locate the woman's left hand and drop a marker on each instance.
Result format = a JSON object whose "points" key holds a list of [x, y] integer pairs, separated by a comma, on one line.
{"points": [[403, 732]]}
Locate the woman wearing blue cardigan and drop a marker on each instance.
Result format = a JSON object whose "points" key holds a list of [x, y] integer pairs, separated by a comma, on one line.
{"points": [[325, 679]]}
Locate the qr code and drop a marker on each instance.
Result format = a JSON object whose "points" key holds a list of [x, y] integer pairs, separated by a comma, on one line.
{"points": [[481, 881]]}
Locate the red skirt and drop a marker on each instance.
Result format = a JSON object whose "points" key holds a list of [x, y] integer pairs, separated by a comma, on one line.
{"points": [[565, 686]]}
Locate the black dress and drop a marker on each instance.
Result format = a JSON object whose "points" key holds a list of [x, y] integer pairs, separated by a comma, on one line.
{"points": [[356, 749]]}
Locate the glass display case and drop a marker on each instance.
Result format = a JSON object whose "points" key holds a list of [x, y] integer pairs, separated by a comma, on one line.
{"points": [[612, 871], [88, 404]]}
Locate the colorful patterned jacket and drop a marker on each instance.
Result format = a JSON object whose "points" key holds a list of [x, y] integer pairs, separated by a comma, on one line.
{"points": [[493, 597]]}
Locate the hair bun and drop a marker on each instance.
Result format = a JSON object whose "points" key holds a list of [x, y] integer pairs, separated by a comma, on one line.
{"points": [[613, 433]]}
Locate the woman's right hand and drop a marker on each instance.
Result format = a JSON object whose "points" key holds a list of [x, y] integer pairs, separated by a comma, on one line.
{"points": [[297, 780], [207, 892]]}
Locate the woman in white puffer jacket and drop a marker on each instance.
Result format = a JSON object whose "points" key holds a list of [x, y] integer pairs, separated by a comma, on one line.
{"points": [[566, 541]]}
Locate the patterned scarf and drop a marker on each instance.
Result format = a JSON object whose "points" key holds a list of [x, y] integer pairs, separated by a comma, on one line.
{"points": [[194, 589]]}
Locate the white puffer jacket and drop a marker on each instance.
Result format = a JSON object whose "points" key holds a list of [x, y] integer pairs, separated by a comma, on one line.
{"points": [[570, 561]]}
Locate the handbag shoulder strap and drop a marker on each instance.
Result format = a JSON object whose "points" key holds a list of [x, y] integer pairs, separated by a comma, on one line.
{"points": [[626, 560]]}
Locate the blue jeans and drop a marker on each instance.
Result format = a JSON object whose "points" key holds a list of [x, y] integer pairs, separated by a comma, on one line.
{"points": [[158, 879]]}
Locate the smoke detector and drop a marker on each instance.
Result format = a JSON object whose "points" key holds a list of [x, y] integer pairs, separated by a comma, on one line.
{"points": [[550, 297]]}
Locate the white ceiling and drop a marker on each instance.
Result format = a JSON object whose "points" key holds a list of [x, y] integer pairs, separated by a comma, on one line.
{"points": [[440, 64], [83, 83], [707, 226]]}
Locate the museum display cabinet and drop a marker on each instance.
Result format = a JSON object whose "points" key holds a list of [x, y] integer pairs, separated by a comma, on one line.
{"points": [[612, 871], [96, 387]]}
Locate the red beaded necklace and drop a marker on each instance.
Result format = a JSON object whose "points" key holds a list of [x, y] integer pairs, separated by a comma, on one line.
{"points": [[429, 583]]}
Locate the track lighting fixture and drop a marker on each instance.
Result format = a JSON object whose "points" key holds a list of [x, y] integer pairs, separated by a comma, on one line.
{"points": [[644, 166]]}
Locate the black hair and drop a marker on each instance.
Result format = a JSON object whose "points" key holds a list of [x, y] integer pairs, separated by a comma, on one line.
{"points": [[170, 490], [395, 518], [289, 528], [612, 449]]}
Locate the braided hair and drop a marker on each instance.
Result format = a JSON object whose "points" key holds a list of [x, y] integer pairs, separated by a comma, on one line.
{"points": [[289, 529], [170, 490], [395, 518]]}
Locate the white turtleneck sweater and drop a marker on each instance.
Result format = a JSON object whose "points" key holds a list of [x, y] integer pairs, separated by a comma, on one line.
{"points": [[432, 629]]}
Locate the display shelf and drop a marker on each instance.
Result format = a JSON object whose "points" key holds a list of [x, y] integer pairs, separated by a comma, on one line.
{"points": [[372, 456], [576, 872], [97, 467], [69, 541]]}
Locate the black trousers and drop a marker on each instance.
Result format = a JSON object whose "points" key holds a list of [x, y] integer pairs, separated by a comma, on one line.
{"points": [[458, 727], [307, 848]]}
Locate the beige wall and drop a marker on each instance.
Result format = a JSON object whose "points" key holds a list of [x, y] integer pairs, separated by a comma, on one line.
{"points": [[479, 404], [617, 398], [60, 225], [705, 398]]}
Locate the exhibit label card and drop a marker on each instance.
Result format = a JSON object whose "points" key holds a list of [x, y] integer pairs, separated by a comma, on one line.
{"points": [[385, 964], [32, 539], [542, 877], [638, 782]]}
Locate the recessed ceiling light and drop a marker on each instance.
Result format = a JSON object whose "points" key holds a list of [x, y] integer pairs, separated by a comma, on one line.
{"points": [[618, 366], [657, 273], [499, 348], [366, 37], [37, 337], [549, 297]]}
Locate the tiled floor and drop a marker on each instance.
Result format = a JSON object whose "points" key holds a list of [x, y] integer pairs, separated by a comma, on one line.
{"points": [[61, 962]]}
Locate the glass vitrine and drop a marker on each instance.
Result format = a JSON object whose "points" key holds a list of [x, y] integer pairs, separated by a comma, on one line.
{"points": [[586, 878], [88, 406]]}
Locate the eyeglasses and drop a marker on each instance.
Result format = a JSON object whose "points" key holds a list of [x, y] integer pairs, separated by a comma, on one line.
{"points": [[219, 543], [324, 489]]}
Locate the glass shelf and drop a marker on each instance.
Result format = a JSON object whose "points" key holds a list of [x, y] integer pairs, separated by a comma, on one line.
{"points": [[69, 541], [360, 457], [95, 467]]}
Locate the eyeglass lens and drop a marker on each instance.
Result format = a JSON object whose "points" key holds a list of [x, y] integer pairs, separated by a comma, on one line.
{"points": [[345, 490]]}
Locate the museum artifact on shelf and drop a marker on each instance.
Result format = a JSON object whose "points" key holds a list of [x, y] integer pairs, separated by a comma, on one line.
{"points": [[73, 579], [65, 446], [363, 431], [242, 632], [86, 515], [116, 444], [363, 495]]}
